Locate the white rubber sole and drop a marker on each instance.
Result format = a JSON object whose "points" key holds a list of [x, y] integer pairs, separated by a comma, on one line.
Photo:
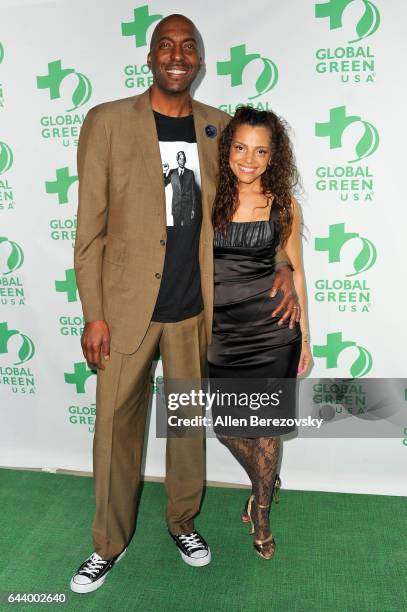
{"points": [[200, 562], [93, 586]]}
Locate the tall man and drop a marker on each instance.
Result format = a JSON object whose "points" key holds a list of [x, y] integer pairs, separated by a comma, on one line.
{"points": [[144, 282]]}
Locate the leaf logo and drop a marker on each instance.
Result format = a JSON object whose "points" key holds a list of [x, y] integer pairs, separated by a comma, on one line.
{"points": [[56, 76], [334, 9], [1, 53], [16, 257], [363, 364], [82, 92], [368, 23], [366, 258], [338, 123], [6, 157], [268, 78], [26, 350], [335, 345], [337, 238], [368, 144], [239, 59]]}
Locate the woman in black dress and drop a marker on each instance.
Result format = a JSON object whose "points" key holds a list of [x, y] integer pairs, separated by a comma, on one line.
{"points": [[254, 215]]}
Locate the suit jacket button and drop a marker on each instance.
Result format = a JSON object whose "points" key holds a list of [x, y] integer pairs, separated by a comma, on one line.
{"points": [[162, 242], [157, 275]]}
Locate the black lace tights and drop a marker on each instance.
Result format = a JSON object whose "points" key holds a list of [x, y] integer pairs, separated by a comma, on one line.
{"points": [[259, 457]]}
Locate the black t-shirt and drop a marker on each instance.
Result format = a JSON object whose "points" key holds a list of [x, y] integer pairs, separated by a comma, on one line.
{"points": [[180, 294]]}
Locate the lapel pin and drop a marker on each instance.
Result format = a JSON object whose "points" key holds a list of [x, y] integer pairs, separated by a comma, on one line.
{"points": [[211, 131]]}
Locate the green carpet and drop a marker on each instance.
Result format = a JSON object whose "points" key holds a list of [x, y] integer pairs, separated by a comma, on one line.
{"points": [[334, 551]]}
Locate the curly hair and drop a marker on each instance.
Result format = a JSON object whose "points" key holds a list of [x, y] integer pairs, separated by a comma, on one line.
{"points": [[279, 179]]}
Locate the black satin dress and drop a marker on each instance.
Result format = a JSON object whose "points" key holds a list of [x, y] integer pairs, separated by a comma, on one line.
{"points": [[247, 342]]}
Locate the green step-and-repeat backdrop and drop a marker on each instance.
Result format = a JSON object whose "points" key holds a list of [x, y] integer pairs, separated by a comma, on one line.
{"points": [[334, 70]]}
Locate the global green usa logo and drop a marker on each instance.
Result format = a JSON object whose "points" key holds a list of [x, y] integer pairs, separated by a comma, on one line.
{"points": [[343, 291], [6, 158], [334, 129], [353, 182], [353, 62], [1, 53], [11, 284], [139, 76], [62, 230], [335, 346], [83, 415], [335, 241], [21, 344], [139, 26], [79, 377], [68, 285], [239, 60], [333, 11], [61, 185], [57, 75], [71, 326], [11, 256], [6, 189]]}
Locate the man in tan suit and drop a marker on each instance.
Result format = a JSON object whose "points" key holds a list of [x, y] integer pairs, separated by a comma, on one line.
{"points": [[145, 282]]}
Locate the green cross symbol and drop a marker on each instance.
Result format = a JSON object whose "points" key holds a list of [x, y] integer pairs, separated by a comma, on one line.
{"points": [[140, 24], [54, 78], [80, 375], [332, 349], [62, 184], [68, 285], [335, 241], [239, 59], [5, 335], [334, 10], [337, 124]]}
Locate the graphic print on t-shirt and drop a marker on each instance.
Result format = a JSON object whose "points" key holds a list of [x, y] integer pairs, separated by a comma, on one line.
{"points": [[182, 182]]}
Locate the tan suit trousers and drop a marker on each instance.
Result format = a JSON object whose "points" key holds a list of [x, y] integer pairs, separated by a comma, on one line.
{"points": [[122, 399]]}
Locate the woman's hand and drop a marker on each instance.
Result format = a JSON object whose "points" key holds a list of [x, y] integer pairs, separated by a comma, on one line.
{"points": [[305, 358]]}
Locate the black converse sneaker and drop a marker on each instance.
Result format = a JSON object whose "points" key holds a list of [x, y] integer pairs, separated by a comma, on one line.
{"points": [[193, 548], [92, 573]]}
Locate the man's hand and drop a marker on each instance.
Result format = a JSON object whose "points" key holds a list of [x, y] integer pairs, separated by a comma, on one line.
{"points": [[95, 343], [289, 305]]}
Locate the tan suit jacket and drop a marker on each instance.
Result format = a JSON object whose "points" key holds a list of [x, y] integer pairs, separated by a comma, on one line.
{"points": [[121, 225]]}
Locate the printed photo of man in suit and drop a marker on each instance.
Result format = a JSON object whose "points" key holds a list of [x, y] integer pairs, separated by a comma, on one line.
{"points": [[185, 191]]}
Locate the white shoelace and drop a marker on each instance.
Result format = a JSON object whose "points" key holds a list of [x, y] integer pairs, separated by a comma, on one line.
{"points": [[191, 541], [93, 566]]}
